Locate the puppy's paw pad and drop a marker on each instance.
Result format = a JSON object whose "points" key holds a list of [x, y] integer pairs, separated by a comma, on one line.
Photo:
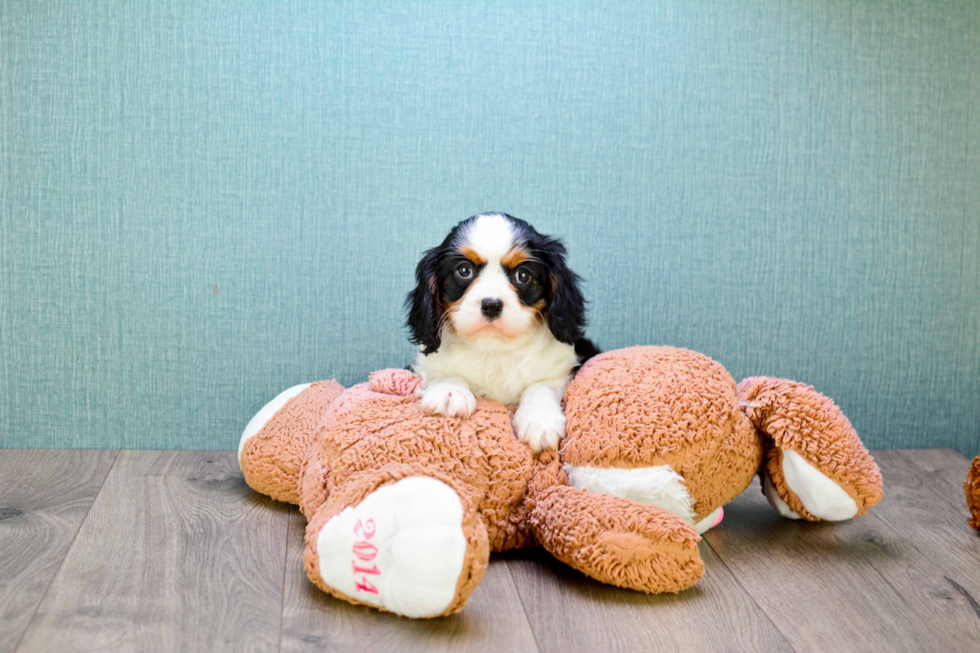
{"points": [[449, 401], [539, 429]]}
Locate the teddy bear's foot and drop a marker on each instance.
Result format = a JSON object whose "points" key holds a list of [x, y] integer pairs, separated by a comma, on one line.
{"points": [[820, 496], [403, 548], [816, 466], [776, 501]]}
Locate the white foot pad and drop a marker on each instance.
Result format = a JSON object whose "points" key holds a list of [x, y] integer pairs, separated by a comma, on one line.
{"points": [[777, 502], [401, 548], [820, 495]]}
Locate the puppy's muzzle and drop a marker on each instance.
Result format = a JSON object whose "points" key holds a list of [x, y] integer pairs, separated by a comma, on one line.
{"points": [[492, 308]]}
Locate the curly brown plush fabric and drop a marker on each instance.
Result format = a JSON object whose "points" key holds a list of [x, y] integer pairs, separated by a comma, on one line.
{"points": [[313, 473], [616, 541], [272, 458], [493, 471], [681, 411], [679, 401], [797, 417], [313, 486], [633, 408], [972, 489]]}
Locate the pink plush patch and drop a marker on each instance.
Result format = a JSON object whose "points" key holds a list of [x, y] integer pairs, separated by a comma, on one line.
{"points": [[394, 382], [721, 515], [347, 400]]}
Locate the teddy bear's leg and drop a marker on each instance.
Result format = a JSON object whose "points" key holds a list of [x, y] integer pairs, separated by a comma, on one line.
{"points": [[657, 486], [618, 541], [276, 440], [402, 539], [816, 466]]}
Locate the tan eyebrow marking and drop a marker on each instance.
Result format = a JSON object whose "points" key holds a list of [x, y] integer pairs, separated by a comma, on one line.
{"points": [[515, 257], [471, 254]]}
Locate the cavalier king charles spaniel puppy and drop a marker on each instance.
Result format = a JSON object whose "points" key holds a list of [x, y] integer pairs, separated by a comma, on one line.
{"points": [[498, 314]]}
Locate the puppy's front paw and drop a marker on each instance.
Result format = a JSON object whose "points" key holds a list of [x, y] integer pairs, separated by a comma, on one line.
{"points": [[448, 399], [539, 428]]}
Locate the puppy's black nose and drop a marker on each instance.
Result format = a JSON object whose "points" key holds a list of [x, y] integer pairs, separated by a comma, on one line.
{"points": [[492, 308]]}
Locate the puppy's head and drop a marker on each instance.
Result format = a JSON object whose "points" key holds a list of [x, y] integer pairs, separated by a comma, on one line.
{"points": [[494, 276]]}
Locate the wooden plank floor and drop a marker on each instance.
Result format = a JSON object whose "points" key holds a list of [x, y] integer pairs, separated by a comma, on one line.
{"points": [[171, 551]]}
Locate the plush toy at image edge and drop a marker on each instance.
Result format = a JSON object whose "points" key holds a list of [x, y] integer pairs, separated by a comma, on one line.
{"points": [[404, 508], [972, 489]]}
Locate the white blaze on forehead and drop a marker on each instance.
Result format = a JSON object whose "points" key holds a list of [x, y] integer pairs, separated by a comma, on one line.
{"points": [[491, 236]]}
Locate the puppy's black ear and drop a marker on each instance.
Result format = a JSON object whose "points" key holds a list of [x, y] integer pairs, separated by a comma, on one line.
{"points": [[566, 306], [424, 308]]}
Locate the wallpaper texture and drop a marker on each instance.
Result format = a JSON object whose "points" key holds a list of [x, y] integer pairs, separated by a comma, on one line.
{"points": [[204, 203]]}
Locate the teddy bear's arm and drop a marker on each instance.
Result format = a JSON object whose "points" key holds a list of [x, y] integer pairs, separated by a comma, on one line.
{"points": [[276, 441], [618, 541]]}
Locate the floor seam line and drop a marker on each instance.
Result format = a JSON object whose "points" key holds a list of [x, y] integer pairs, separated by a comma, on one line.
{"points": [[285, 567], [527, 617]]}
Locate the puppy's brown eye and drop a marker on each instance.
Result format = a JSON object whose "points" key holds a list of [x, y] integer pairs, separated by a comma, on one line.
{"points": [[521, 277], [464, 271]]}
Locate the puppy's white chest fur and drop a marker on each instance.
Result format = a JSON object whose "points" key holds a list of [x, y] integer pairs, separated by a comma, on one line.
{"points": [[497, 369]]}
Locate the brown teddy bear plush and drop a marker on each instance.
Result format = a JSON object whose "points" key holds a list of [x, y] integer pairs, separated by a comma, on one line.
{"points": [[972, 489], [404, 508]]}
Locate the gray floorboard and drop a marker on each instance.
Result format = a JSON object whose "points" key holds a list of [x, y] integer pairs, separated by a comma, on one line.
{"points": [[928, 509], [44, 498], [566, 607], [859, 585], [177, 554], [171, 551]]}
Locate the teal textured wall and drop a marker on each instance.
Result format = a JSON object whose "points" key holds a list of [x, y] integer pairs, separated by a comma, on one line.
{"points": [[204, 203]]}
